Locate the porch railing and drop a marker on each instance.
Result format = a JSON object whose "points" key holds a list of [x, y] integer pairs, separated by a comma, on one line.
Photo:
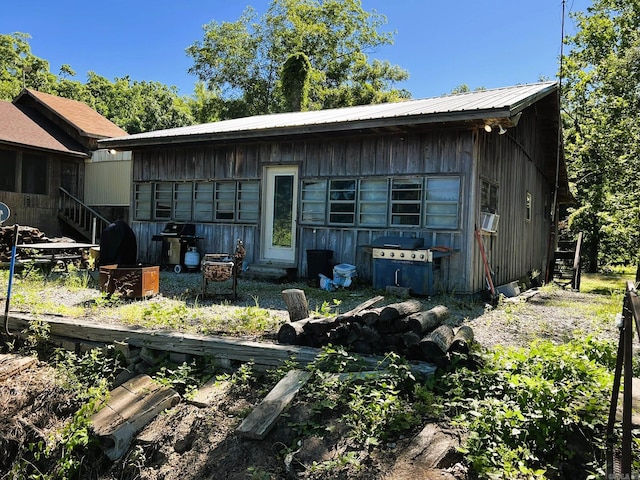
{"points": [[81, 217]]}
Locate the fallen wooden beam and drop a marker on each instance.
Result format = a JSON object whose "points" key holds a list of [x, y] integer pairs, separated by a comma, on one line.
{"points": [[260, 421], [11, 364], [130, 407], [262, 354]]}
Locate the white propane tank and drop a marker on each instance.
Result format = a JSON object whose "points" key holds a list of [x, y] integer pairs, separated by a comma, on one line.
{"points": [[191, 258]]}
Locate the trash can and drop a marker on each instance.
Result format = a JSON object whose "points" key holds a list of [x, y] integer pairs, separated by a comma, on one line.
{"points": [[319, 261]]}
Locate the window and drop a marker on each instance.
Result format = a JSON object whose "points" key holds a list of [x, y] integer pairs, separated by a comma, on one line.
{"points": [[342, 201], [406, 201], [225, 200], [163, 199], [248, 201], [203, 201], [442, 202], [142, 201], [314, 201], [488, 197], [34, 174], [182, 197], [8, 168], [373, 201], [528, 207]]}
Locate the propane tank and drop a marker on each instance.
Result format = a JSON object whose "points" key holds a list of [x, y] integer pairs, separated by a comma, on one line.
{"points": [[191, 258]]}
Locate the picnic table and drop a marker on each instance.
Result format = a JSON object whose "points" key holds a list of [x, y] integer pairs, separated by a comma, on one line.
{"points": [[49, 255]]}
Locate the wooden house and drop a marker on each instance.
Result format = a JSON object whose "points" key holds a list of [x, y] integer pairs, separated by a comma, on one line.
{"points": [[437, 170], [44, 143]]}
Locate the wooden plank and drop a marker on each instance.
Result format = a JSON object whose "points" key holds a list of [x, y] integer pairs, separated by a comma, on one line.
{"points": [[11, 365], [260, 421], [131, 406]]}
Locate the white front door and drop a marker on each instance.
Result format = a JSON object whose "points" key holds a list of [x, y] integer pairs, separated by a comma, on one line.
{"points": [[280, 208]]}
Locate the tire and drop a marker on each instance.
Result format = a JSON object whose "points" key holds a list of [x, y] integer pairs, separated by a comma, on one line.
{"points": [[177, 268]]}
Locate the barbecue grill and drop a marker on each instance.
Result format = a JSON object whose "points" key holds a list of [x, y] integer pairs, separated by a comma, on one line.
{"points": [[405, 262], [176, 239]]}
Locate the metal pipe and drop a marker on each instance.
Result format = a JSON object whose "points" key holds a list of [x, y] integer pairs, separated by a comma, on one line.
{"points": [[11, 270]]}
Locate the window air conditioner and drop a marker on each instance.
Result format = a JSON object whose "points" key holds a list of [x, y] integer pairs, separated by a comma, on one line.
{"points": [[489, 222]]}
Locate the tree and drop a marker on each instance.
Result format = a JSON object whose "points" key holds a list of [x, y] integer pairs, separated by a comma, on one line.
{"points": [[19, 67], [601, 81], [244, 60]]}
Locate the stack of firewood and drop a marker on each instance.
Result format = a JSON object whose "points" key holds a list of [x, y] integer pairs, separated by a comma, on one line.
{"points": [[25, 235], [404, 327]]}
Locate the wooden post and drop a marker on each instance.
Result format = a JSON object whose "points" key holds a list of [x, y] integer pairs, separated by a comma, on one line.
{"points": [[297, 304]]}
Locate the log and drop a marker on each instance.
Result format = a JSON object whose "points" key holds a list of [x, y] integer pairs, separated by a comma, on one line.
{"points": [[293, 333], [360, 308], [462, 339], [297, 304], [318, 327], [423, 322], [436, 344], [402, 309]]}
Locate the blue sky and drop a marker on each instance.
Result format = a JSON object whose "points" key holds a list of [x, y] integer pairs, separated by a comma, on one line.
{"points": [[442, 44]]}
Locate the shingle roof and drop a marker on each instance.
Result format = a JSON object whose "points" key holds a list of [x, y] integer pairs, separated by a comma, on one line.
{"points": [[86, 120], [496, 103], [22, 126]]}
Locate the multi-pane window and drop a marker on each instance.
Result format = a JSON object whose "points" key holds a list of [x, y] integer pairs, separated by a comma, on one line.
{"points": [[248, 198], [373, 201], [342, 201], [203, 201], [488, 197], [314, 201], [442, 202], [162, 200], [225, 201], [182, 198], [142, 201], [406, 201]]}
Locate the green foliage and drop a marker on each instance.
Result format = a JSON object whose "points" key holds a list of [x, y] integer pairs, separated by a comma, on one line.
{"points": [[182, 378], [533, 413], [374, 407], [244, 60], [80, 373], [295, 81], [601, 77]]}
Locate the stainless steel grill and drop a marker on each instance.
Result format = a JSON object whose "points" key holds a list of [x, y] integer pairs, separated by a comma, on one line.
{"points": [[403, 262]]}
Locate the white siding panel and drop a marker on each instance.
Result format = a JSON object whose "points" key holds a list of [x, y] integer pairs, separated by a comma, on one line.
{"points": [[107, 183]]}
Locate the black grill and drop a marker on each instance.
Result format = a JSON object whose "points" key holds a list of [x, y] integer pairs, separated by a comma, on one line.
{"points": [[403, 262]]}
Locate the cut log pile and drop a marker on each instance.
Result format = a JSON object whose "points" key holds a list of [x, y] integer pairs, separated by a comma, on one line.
{"points": [[25, 235], [404, 328]]}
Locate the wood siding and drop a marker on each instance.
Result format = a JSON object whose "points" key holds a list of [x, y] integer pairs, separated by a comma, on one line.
{"points": [[513, 161], [41, 210]]}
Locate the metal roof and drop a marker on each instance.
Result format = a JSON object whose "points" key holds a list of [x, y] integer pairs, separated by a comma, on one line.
{"points": [[495, 103]]}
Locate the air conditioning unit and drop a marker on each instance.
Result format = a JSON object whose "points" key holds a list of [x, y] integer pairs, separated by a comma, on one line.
{"points": [[489, 222]]}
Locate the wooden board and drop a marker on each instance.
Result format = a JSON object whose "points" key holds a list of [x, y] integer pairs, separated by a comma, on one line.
{"points": [[260, 421], [11, 365], [131, 406]]}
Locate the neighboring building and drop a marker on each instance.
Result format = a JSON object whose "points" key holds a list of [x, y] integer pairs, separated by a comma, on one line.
{"points": [[44, 143], [339, 179]]}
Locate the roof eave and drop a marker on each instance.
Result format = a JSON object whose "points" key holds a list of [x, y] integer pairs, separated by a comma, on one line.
{"points": [[503, 115], [70, 153]]}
